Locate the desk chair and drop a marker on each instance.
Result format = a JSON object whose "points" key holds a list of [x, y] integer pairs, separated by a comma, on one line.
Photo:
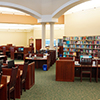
{"points": [[11, 64], [11, 85], [23, 77], [0, 68], [0, 76], [86, 67], [19, 56]]}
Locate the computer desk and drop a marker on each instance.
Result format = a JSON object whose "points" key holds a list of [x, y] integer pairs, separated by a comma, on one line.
{"points": [[95, 73], [64, 70], [39, 61], [16, 54], [4, 57]]}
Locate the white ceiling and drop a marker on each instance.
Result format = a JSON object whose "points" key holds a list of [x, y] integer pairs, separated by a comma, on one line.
{"points": [[83, 6]]}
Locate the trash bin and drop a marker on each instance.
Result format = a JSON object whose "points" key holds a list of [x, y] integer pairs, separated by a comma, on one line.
{"points": [[60, 55], [45, 67]]}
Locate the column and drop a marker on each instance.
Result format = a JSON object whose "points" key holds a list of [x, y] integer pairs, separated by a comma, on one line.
{"points": [[51, 35], [43, 35]]}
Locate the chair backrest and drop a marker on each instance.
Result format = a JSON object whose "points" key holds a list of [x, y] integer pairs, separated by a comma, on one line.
{"points": [[11, 64], [0, 76], [1, 61], [24, 71], [13, 77], [0, 68], [86, 61]]}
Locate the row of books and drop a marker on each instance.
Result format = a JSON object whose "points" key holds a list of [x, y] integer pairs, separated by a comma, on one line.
{"points": [[71, 50], [81, 42], [84, 50], [82, 38], [68, 53], [82, 46]]}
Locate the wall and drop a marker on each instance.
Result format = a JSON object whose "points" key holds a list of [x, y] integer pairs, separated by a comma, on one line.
{"points": [[83, 23], [29, 35], [13, 37]]}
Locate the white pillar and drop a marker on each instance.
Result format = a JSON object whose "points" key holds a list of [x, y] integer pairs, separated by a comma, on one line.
{"points": [[43, 35], [51, 35]]}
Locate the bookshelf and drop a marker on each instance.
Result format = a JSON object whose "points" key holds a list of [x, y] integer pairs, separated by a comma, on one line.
{"points": [[85, 45]]}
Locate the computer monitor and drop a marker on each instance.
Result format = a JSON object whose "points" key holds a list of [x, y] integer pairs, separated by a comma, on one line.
{"points": [[85, 56], [11, 64], [20, 49]]}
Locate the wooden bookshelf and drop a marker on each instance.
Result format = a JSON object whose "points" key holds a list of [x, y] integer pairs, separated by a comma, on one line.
{"points": [[87, 45]]}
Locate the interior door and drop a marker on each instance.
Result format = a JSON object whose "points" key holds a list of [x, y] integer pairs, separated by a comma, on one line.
{"points": [[38, 44]]}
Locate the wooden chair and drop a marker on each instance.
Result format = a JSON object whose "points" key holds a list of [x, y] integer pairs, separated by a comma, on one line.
{"points": [[11, 64], [0, 76], [86, 67], [19, 56], [11, 85], [23, 77]]}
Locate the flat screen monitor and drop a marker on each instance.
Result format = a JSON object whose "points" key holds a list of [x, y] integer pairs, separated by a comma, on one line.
{"points": [[85, 56], [20, 49], [11, 64]]}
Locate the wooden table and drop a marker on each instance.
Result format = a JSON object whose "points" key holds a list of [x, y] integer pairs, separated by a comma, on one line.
{"points": [[65, 70], [39, 61], [1, 53], [94, 73], [4, 57]]}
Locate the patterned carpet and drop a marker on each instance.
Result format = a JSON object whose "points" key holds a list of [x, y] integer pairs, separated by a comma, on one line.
{"points": [[46, 88]]}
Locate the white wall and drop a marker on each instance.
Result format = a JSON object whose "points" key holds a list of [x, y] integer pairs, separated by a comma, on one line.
{"points": [[29, 35], [13, 37], [83, 23]]}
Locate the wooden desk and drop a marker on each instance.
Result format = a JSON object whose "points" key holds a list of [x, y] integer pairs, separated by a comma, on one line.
{"points": [[4, 57], [94, 71], [39, 61], [65, 70], [1, 53], [18, 53]]}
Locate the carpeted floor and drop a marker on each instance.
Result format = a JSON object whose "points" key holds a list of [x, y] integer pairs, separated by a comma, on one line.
{"points": [[46, 88]]}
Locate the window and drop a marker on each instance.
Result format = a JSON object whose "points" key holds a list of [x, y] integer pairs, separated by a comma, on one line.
{"points": [[47, 42]]}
